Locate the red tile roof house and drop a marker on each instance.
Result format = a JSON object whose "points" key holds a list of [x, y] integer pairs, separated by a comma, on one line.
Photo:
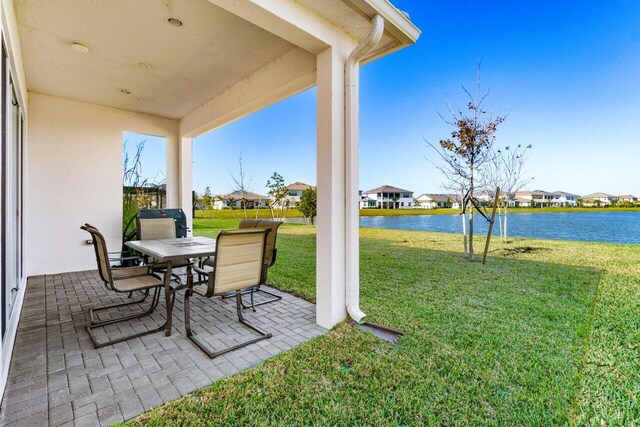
{"points": [[295, 191], [77, 75], [518, 201]]}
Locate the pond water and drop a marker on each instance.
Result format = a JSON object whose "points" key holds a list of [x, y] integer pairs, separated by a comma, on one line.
{"points": [[611, 227]]}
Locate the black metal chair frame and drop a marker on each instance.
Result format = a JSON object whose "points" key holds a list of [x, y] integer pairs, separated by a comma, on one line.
{"points": [[210, 281], [108, 279]]}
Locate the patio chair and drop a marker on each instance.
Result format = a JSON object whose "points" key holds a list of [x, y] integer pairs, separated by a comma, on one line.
{"points": [[270, 259], [124, 280], [161, 228], [132, 228], [156, 228], [238, 265]]}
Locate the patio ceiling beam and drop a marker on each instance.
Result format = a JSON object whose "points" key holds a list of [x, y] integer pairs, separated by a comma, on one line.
{"points": [[289, 21], [289, 74]]}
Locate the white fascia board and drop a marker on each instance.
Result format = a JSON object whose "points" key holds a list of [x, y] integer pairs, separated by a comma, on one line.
{"points": [[290, 21], [302, 27]]}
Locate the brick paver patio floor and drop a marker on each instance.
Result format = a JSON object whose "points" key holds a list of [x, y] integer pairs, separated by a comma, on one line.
{"points": [[57, 377]]}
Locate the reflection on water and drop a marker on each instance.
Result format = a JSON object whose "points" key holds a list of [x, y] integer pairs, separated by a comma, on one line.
{"points": [[612, 227]]}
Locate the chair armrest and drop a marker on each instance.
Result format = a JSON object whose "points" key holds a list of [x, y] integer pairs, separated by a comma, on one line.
{"points": [[200, 270], [202, 260]]}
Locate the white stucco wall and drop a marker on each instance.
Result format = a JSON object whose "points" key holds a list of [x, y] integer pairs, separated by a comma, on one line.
{"points": [[74, 172]]}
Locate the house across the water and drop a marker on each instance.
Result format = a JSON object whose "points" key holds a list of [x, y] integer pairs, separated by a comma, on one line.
{"points": [[599, 199], [540, 198], [629, 198], [387, 197], [564, 199], [535, 198], [433, 201]]}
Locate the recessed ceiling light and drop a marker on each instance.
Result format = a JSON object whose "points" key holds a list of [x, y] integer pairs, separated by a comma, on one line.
{"points": [[79, 47], [175, 22], [125, 91]]}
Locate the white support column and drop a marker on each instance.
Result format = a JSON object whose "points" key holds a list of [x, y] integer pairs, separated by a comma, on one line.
{"points": [[185, 174], [331, 235]]}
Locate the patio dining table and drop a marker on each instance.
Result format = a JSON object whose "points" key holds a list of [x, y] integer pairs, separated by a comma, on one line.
{"points": [[169, 250]]}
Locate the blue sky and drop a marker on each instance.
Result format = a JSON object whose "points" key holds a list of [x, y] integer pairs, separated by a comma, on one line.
{"points": [[567, 74]]}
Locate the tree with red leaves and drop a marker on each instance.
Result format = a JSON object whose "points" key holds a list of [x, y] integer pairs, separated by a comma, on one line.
{"points": [[464, 155]]}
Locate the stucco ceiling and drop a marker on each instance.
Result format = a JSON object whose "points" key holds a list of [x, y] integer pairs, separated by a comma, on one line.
{"points": [[170, 71]]}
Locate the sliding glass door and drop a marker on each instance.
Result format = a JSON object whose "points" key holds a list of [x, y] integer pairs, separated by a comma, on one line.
{"points": [[12, 180]]}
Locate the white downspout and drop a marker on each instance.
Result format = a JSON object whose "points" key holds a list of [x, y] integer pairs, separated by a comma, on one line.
{"points": [[352, 223]]}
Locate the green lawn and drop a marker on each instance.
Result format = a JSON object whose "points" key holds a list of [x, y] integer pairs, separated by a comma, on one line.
{"points": [[547, 333]]}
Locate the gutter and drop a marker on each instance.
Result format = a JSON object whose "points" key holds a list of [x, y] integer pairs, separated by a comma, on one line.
{"points": [[398, 23], [352, 223]]}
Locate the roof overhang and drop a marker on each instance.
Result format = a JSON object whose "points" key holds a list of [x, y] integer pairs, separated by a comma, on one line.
{"points": [[229, 59]]}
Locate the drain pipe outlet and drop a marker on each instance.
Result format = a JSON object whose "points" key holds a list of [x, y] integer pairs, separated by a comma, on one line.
{"points": [[351, 75]]}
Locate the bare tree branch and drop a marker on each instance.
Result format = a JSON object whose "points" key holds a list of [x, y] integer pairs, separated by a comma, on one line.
{"points": [[241, 184]]}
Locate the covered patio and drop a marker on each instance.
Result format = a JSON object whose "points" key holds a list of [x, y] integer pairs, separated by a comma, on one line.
{"points": [[77, 77], [58, 377]]}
